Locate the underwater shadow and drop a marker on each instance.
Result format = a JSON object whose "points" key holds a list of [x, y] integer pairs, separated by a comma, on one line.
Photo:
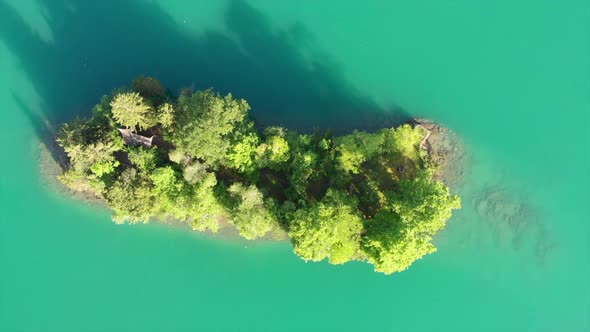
{"points": [[96, 49]]}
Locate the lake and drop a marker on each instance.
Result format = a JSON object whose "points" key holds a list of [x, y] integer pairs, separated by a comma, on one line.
{"points": [[512, 79]]}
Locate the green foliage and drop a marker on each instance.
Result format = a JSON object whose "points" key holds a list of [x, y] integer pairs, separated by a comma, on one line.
{"points": [[205, 211], [164, 180], [251, 214], [145, 159], [404, 141], [178, 157], [195, 172], [241, 152], [131, 197], [357, 148], [328, 229], [131, 111], [104, 167], [362, 196], [84, 157], [72, 134], [302, 163], [273, 152], [166, 115], [424, 203], [391, 245], [203, 123], [76, 181], [402, 233]]}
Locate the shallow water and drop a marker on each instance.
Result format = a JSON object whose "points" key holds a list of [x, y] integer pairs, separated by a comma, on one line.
{"points": [[512, 79]]}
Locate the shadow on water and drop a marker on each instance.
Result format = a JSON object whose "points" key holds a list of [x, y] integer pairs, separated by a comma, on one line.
{"points": [[97, 48]]}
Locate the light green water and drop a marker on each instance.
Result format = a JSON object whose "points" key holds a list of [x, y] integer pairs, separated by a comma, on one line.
{"points": [[511, 77]]}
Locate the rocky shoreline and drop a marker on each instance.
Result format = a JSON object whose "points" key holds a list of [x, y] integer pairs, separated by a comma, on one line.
{"points": [[446, 150]]}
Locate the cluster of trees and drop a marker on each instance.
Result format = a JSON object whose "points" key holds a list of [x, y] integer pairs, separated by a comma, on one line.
{"points": [[363, 196]]}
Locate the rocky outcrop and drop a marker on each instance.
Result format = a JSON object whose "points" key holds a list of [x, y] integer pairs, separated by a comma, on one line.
{"points": [[446, 150]]}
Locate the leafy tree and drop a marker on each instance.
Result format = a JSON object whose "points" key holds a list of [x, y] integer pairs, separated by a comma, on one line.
{"points": [[328, 229], [131, 111], [423, 203], [401, 234], [203, 122], [273, 152], [145, 159], [131, 197], [75, 181], [242, 149], [357, 148], [195, 172], [403, 141], [303, 163], [164, 180], [72, 134], [166, 115], [251, 215], [391, 245], [205, 211], [170, 193], [93, 157], [179, 157]]}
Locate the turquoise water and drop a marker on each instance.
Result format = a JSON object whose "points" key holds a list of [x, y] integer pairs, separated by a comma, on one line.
{"points": [[511, 78]]}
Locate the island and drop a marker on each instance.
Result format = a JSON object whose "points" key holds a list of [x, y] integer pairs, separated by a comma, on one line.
{"points": [[199, 159]]}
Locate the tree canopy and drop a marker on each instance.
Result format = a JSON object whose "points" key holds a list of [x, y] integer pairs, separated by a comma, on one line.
{"points": [[131, 111], [362, 196], [329, 229], [204, 122]]}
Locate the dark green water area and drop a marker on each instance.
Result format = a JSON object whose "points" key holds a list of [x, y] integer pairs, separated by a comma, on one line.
{"points": [[512, 79]]}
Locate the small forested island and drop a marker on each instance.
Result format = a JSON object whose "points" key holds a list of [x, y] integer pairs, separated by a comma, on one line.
{"points": [[199, 159]]}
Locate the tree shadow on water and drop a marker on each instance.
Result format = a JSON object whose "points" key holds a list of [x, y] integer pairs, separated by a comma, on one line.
{"points": [[101, 45]]}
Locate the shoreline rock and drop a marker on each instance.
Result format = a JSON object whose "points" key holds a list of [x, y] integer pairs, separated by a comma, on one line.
{"points": [[446, 150]]}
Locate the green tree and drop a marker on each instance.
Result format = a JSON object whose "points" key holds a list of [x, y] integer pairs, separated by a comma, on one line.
{"points": [[131, 111], [328, 229], [423, 203], [251, 216], [131, 198], [168, 192], [402, 233], [195, 172], [166, 115], [204, 209], [403, 141], [391, 245], [273, 152], [203, 122], [302, 166], [241, 152], [145, 159], [357, 148]]}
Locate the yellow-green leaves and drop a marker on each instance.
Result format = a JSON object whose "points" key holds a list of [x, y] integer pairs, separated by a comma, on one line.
{"points": [[204, 123], [251, 214], [402, 232], [166, 115], [131, 111], [357, 148], [273, 152], [327, 229]]}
